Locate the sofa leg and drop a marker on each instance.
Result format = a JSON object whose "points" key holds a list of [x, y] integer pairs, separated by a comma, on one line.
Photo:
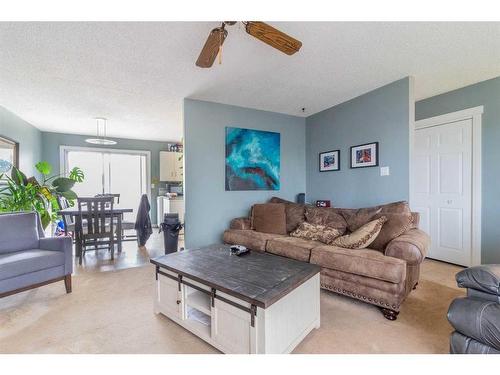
{"points": [[415, 286], [389, 314], [67, 283]]}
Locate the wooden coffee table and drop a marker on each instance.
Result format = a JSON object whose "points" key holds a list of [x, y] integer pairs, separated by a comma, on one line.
{"points": [[255, 303]]}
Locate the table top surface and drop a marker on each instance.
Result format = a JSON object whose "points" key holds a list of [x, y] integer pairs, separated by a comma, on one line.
{"points": [[74, 211], [258, 278]]}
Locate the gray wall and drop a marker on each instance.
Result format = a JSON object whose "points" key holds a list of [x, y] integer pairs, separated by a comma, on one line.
{"points": [[28, 137], [487, 94], [209, 208], [381, 115], [52, 141]]}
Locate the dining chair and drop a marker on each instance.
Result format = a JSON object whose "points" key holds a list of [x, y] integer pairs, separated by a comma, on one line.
{"points": [[126, 224], [95, 226], [116, 197]]}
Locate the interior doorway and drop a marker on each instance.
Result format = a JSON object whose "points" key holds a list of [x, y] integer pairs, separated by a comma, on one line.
{"points": [[446, 184]]}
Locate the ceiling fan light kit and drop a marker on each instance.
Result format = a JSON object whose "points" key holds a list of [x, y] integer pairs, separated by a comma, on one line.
{"points": [[260, 30]]}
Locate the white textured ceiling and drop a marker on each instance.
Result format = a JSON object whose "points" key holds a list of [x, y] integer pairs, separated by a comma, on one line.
{"points": [[59, 76]]}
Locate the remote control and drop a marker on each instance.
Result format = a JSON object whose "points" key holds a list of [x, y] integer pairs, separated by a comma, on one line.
{"points": [[239, 250]]}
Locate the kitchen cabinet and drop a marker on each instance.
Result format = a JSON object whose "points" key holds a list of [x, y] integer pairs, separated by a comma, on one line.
{"points": [[171, 166]]}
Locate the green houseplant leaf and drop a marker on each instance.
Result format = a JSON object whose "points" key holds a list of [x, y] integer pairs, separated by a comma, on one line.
{"points": [[62, 184], [18, 177], [76, 174], [69, 195], [43, 167]]}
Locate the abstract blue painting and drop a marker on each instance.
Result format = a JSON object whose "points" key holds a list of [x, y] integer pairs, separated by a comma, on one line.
{"points": [[252, 159]]}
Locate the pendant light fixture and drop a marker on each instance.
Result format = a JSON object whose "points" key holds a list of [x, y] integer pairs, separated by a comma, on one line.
{"points": [[102, 125]]}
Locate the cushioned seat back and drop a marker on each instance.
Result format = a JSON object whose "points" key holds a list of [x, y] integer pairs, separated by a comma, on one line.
{"points": [[18, 232]]}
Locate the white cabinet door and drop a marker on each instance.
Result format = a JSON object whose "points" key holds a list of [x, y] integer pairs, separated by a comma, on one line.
{"points": [[170, 166], [178, 166], [231, 328], [442, 189], [166, 166], [168, 297]]}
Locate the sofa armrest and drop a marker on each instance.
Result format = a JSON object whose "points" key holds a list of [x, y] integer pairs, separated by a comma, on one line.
{"points": [[411, 246], [63, 244], [485, 278], [241, 223]]}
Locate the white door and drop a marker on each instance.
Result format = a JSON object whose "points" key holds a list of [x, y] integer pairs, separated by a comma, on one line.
{"points": [[442, 189]]}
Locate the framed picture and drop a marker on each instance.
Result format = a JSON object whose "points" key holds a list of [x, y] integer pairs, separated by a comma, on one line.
{"points": [[329, 161], [252, 159], [363, 156]]}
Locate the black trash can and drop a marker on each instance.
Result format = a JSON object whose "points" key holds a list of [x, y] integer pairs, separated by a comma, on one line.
{"points": [[170, 227]]}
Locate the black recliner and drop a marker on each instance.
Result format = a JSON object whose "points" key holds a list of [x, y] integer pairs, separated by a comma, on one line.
{"points": [[476, 318]]}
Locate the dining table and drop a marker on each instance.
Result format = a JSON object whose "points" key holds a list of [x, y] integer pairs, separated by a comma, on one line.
{"points": [[117, 213]]}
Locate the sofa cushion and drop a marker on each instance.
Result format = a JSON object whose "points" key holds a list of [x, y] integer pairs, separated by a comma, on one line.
{"points": [[269, 218], [18, 232], [355, 218], [249, 238], [364, 262], [316, 232], [294, 212], [27, 261], [291, 247], [396, 225], [326, 216], [362, 237]]}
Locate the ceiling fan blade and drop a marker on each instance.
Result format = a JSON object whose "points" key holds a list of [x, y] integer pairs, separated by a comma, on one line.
{"points": [[273, 37], [211, 47]]}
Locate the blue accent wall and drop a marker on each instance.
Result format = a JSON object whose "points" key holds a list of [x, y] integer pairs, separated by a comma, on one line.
{"points": [[381, 115], [52, 142], [209, 207], [487, 94], [28, 137]]}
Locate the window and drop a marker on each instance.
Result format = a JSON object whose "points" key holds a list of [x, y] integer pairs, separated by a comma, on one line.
{"points": [[123, 172], [9, 154]]}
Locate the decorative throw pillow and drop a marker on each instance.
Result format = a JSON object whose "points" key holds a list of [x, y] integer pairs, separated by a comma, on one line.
{"points": [[396, 225], [316, 232], [362, 237], [269, 218], [326, 216], [294, 213]]}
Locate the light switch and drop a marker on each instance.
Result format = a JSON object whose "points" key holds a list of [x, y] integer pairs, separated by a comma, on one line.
{"points": [[384, 171]]}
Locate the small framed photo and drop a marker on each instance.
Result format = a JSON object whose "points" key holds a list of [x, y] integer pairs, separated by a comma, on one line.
{"points": [[363, 156], [329, 161]]}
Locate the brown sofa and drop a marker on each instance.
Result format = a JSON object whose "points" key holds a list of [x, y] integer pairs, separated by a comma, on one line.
{"points": [[382, 275]]}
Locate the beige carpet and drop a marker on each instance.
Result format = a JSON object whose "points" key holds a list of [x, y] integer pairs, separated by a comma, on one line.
{"points": [[111, 312]]}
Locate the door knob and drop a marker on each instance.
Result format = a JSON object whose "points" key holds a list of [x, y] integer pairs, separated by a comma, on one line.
{"points": [[178, 301]]}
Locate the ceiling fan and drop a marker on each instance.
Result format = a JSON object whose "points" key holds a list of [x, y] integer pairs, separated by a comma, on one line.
{"points": [[259, 30]]}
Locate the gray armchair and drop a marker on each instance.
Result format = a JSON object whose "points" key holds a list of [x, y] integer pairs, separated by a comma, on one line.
{"points": [[28, 259], [476, 318]]}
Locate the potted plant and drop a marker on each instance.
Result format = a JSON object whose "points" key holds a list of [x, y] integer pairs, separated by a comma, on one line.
{"points": [[19, 193]]}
